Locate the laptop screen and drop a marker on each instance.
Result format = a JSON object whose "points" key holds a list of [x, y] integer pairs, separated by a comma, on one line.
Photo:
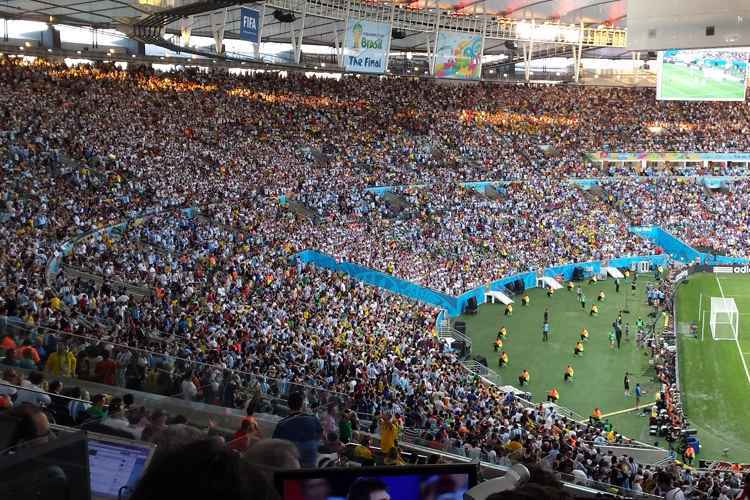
{"points": [[115, 464]]}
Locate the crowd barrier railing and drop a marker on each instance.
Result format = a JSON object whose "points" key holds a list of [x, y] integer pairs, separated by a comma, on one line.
{"points": [[274, 391]]}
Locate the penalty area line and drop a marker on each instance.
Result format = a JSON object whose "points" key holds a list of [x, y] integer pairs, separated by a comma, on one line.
{"points": [[736, 336]]}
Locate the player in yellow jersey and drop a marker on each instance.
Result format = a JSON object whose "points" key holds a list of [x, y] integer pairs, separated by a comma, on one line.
{"points": [[502, 360], [584, 335], [568, 375], [578, 349], [523, 378]]}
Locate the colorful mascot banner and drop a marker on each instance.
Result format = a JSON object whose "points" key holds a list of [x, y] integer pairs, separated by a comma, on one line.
{"points": [[458, 55], [366, 46]]}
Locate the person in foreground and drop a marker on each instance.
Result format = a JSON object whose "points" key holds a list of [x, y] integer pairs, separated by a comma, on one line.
{"points": [[201, 470], [302, 429]]}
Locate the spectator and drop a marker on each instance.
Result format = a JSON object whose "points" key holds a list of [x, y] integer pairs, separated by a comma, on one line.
{"points": [[10, 357], [362, 451], [98, 409], [393, 457], [389, 429], [27, 361], [106, 369], [215, 471], [32, 391], [34, 425], [77, 408], [302, 429], [188, 389], [273, 454], [245, 436], [62, 362], [346, 426]]}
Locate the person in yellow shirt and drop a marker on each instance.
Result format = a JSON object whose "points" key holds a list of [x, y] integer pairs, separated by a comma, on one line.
{"points": [[502, 332], [498, 344], [61, 363], [525, 299], [514, 444], [601, 296], [362, 451], [578, 350], [55, 303], [570, 286], [503, 359], [584, 335], [509, 310], [394, 457], [523, 378], [594, 310], [388, 432], [568, 375]]}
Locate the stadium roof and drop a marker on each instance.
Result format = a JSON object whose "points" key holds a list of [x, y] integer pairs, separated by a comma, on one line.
{"points": [[105, 12], [318, 30]]}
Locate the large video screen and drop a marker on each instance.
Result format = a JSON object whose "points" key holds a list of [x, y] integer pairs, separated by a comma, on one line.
{"points": [[437, 482], [702, 75]]}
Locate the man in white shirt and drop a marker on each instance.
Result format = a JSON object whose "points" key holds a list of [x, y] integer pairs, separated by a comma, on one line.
{"points": [[189, 391], [35, 394]]}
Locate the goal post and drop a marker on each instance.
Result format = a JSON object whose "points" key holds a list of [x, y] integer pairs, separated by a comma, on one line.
{"points": [[724, 322]]}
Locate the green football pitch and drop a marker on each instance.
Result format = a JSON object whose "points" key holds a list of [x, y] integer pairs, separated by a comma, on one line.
{"points": [[713, 379], [599, 373], [680, 82]]}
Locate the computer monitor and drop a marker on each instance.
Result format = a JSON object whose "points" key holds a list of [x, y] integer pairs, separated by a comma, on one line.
{"points": [[116, 463], [56, 470], [418, 482], [9, 426]]}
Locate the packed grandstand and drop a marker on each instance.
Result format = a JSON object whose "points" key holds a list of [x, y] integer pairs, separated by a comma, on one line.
{"points": [[199, 190]]}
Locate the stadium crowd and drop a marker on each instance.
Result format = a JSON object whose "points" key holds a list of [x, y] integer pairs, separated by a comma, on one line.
{"points": [[712, 218], [211, 305]]}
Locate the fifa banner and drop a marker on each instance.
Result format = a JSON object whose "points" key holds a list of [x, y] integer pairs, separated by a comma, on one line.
{"points": [[458, 55], [250, 25], [366, 45]]}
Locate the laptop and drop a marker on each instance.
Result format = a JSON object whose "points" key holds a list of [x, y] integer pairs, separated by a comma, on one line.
{"points": [[116, 465]]}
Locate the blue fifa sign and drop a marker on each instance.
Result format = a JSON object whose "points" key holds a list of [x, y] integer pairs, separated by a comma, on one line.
{"points": [[249, 25]]}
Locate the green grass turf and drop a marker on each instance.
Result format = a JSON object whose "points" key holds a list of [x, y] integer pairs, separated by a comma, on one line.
{"points": [[598, 379], [680, 82], [714, 386]]}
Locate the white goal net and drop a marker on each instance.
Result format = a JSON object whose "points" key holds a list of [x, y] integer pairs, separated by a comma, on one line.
{"points": [[724, 319]]}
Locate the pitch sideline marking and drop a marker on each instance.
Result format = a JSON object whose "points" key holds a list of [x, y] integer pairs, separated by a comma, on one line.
{"points": [[626, 410], [736, 337]]}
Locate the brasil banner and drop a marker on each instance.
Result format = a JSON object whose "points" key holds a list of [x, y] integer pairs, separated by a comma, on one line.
{"points": [[458, 55], [366, 45]]}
